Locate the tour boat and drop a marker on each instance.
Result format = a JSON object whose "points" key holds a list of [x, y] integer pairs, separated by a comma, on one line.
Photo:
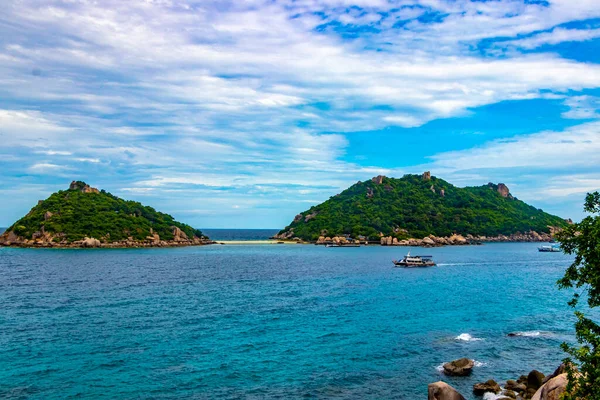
{"points": [[415, 261], [549, 249]]}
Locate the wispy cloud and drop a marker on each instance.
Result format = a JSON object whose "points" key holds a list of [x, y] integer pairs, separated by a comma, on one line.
{"points": [[217, 96]]}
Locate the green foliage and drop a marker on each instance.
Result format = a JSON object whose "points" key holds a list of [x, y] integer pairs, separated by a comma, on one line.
{"points": [[583, 240], [407, 207], [101, 215]]}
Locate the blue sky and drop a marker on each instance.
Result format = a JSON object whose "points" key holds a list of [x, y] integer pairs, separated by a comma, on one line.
{"points": [[244, 113]]}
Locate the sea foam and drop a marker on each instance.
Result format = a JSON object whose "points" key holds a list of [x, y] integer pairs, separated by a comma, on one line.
{"points": [[465, 337]]}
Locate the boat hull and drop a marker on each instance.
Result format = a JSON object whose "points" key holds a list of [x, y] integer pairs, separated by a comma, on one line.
{"points": [[413, 265]]}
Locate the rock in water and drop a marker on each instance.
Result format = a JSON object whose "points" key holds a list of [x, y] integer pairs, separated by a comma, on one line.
{"points": [[442, 391], [460, 367], [553, 389], [490, 386]]}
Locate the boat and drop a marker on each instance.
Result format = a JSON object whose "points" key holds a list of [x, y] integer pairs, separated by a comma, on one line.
{"points": [[549, 249], [415, 261], [342, 245]]}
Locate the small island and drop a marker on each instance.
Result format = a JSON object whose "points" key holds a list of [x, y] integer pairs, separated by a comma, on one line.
{"points": [[83, 216], [422, 210]]}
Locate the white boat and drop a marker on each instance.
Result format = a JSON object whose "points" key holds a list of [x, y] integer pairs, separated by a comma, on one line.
{"points": [[549, 249], [415, 261]]}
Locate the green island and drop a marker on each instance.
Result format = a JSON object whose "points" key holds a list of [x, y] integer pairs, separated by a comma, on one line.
{"points": [[421, 206], [83, 216]]}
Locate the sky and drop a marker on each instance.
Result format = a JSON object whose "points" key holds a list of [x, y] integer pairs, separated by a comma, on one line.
{"points": [[241, 114]]}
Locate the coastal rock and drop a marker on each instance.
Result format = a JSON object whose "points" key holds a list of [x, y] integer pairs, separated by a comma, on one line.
{"points": [[426, 176], [460, 367], [297, 217], [179, 235], [442, 391], [427, 241], [558, 371], [553, 389], [535, 380], [90, 242], [457, 240], [492, 386]]}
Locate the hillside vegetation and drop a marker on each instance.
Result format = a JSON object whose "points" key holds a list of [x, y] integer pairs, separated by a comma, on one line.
{"points": [[417, 206], [83, 211]]}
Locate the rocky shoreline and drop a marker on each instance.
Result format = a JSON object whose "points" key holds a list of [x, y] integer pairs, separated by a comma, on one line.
{"points": [[428, 241], [534, 386], [48, 240]]}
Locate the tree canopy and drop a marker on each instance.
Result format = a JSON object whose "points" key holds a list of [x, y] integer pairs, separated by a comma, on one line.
{"points": [[583, 275], [413, 206], [76, 214]]}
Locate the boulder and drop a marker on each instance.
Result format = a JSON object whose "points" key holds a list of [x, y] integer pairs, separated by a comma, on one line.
{"points": [[378, 179], [460, 367], [535, 380], [90, 242], [442, 391], [179, 235], [427, 241], [426, 176], [553, 389], [457, 239], [503, 190], [558, 371], [491, 386]]}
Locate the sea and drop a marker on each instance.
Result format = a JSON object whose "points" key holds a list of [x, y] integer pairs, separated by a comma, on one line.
{"points": [[273, 321]]}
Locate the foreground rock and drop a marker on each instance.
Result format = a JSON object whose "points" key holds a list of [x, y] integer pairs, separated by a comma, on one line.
{"points": [[460, 367], [442, 391], [553, 389], [490, 386]]}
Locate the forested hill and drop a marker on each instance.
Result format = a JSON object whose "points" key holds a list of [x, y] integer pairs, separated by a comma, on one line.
{"points": [[82, 211], [417, 206]]}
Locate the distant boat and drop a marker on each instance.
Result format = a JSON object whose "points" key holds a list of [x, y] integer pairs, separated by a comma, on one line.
{"points": [[342, 245], [415, 261], [549, 249]]}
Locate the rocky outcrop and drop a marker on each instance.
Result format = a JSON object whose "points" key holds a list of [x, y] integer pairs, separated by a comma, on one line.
{"points": [[47, 215], [179, 235], [460, 367], [310, 216], [426, 176], [553, 389], [503, 190], [490, 386], [298, 218], [378, 179], [339, 240], [442, 391], [82, 187]]}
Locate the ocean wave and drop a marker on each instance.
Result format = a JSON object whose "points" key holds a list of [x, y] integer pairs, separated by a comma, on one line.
{"points": [[465, 337], [493, 396], [529, 333]]}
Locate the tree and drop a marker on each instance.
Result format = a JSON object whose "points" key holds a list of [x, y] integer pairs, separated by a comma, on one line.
{"points": [[583, 240]]}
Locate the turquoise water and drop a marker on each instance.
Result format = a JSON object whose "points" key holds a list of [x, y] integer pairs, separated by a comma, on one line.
{"points": [[272, 321], [240, 234]]}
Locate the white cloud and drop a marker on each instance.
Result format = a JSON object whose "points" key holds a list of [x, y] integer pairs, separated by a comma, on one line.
{"points": [[582, 107], [556, 36], [223, 95]]}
